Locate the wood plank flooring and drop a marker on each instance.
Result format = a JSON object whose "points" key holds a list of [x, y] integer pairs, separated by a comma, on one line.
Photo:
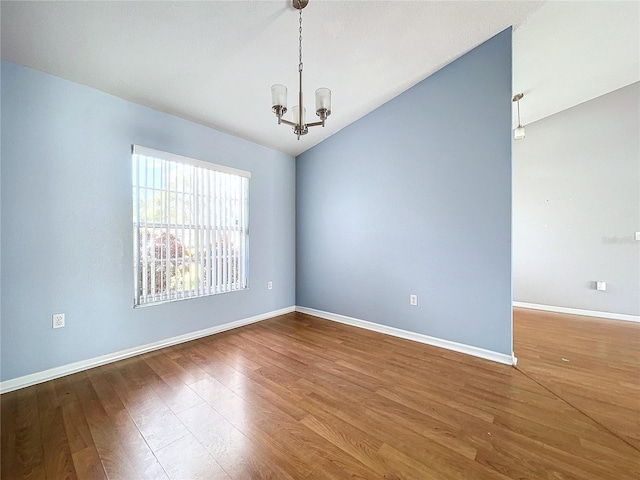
{"points": [[592, 363], [298, 397]]}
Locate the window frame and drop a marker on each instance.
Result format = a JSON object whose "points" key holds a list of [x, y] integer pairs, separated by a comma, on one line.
{"points": [[208, 207]]}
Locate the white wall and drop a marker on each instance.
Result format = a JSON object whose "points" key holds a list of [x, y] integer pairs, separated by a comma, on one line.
{"points": [[576, 206]]}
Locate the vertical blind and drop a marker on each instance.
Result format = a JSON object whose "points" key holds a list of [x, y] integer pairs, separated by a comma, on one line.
{"points": [[190, 227]]}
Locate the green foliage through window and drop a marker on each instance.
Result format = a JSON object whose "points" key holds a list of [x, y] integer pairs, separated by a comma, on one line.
{"points": [[190, 221]]}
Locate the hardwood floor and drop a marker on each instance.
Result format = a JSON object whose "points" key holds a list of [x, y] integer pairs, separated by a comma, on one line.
{"points": [[591, 363], [298, 397]]}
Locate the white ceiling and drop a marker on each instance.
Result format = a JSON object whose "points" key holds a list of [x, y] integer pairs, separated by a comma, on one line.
{"points": [[567, 53], [214, 62]]}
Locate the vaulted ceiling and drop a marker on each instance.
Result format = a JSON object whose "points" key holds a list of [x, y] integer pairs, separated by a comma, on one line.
{"points": [[214, 62]]}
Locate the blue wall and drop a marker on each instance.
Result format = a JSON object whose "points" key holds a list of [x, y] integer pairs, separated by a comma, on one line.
{"points": [[66, 223], [415, 198]]}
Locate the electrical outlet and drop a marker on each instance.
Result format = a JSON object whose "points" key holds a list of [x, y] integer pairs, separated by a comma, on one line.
{"points": [[58, 320], [413, 300], [269, 285]]}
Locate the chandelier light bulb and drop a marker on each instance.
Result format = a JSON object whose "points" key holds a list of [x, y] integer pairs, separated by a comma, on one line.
{"points": [[323, 103], [518, 133], [279, 95]]}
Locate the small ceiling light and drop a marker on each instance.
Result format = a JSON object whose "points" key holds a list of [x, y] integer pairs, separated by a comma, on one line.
{"points": [[518, 132], [279, 93]]}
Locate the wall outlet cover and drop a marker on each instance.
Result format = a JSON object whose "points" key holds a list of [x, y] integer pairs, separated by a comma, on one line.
{"points": [[58, 320]]}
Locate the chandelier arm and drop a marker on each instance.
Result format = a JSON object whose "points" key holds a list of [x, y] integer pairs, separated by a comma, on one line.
{"points": [[287, 122], [315, 124]]}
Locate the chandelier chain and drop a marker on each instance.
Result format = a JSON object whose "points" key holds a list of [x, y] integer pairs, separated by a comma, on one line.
{"points": [[300, 41]]}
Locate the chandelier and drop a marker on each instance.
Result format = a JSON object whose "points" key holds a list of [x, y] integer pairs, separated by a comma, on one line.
{"points": [[279, 93]]}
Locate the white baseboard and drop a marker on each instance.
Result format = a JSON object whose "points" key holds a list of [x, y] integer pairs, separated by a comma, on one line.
{"points": [[416, 337], [577, 311], [52, 373]]}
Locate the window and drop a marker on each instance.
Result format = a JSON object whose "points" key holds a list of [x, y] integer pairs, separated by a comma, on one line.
{"points": [[190, 227]]}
